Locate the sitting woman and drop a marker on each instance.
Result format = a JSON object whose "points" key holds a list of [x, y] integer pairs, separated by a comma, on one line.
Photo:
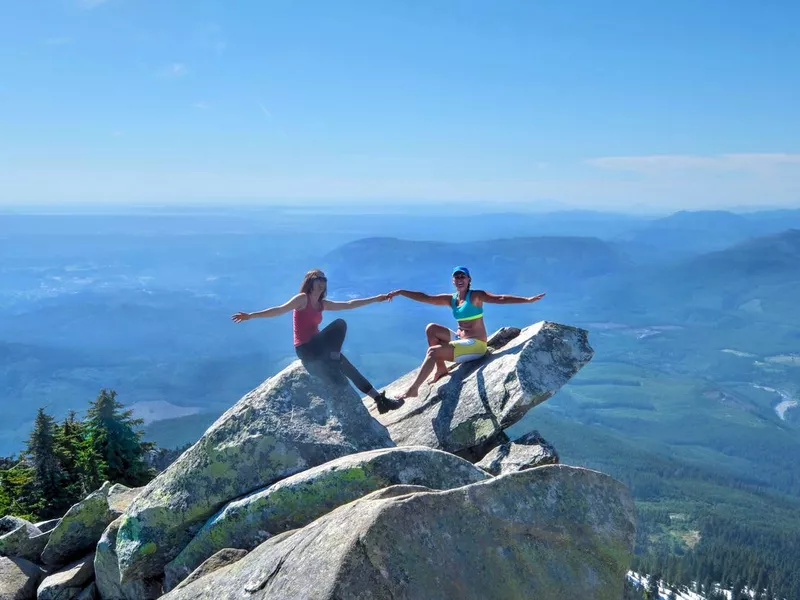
{"points": [[311, 344], [469, 341]]}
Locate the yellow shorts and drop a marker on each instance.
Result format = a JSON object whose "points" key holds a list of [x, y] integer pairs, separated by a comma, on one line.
{"points": [[466, 349]]}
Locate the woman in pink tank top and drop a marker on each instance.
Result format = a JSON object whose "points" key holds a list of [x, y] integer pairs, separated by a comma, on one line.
{"points": [[312, 345]]}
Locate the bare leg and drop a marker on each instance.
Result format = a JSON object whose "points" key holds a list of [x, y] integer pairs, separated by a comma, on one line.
{"points": [[438, 335], [434, 353]]}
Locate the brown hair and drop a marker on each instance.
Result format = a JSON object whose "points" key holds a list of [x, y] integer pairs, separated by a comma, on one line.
{"points": [[308, 282]]}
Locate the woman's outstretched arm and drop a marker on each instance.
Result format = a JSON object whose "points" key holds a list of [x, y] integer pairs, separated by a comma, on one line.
{"points": [[490, 298], [298, 302], [355, 303], [437, 299]]}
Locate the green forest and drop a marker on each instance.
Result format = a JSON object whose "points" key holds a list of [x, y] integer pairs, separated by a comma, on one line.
{"points": [[63, 462]]}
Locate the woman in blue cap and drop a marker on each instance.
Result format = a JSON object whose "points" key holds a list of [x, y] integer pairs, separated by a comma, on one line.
{"points": [[469, 341]]}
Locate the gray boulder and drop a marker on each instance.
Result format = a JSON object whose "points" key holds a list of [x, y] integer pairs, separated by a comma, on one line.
{"points": [[67, 583], [298, 500], [106, 572], [19, 579], [530, 450], [120, 498], [88, 593], [471, 407], [21, 538], [223, 558], [291, 422], [45, 526], [549, 533], [79, 529]]}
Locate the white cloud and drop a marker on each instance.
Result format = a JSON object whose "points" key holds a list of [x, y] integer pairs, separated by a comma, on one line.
{"points": [[264, 110], [175, 70], [667, 163], [201, 105]]}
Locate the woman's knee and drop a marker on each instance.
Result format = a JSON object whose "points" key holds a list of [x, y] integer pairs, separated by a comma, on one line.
{"points": [[433, 328], [339, 324]]}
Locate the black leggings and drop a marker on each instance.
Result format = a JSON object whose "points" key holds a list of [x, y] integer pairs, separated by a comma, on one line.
{"points": [[331, 339]]}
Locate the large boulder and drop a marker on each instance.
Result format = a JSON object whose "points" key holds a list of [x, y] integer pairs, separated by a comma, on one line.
{"points": [[530, 450], [223, 558], [21, 538], [298, 500], [549, 533], [291, 422], [49, 525], [67, 583], [471, 407], [88, 593], [106, 572], [120, 497], [79, 529], [19, 579]]}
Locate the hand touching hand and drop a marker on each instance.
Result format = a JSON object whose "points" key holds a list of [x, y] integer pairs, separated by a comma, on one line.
{"points": [[240, 316], [536, 298]]}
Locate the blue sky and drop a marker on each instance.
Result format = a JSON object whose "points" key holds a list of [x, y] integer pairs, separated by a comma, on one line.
{"points": [[620, 104]]}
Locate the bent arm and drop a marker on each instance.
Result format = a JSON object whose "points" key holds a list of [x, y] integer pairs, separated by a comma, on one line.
{"points": [[490, 298], [355, 303], [297, 302], [437, 299]]}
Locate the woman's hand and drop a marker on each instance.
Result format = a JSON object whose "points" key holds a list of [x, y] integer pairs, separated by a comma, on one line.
{"points": [[394, 293], [383, 297], [240, 316], [536, 298]]}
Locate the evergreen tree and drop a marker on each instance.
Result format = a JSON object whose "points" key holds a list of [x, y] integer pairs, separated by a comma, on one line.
{"points": [[673, 595], [16, 489], [652, 587], [48, 476], [71, 449], [116, 450]]}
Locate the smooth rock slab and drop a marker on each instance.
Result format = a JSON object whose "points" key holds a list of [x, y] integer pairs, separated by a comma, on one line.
{"points": [[296, 501], [550, 533], [67, 583], [291, 422], [530, 450], [21, 538], [79, 529], [479, 399], [106, 572], [19, 579], [223, 558]]}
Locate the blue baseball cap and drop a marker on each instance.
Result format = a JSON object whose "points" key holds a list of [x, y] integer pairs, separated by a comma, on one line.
{"points": [[463, 270]]}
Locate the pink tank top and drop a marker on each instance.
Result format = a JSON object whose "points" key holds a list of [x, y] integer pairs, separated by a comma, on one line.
{"points": [[306, 323]]}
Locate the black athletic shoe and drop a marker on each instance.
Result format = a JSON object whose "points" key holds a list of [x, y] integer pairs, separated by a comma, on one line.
{"points": [[385, 404]]}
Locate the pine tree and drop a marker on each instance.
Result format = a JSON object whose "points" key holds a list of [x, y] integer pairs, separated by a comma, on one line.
{"points": [[48, 477], [652, 587], [17, 496], [116, 450], [71, 449]]}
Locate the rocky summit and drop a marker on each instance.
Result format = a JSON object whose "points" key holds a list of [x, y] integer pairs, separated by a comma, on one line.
{"points": [[292, 422], [552, 532], [480, 399], [301, 490]]}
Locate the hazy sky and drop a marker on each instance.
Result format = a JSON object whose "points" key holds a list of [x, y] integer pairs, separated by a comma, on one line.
{"points": [[620, 104]]}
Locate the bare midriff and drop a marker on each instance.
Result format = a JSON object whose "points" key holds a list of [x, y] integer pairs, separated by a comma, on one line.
{"points": [[473, 330]]}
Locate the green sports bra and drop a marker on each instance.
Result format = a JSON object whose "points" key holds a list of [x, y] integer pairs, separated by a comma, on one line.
{"points": [[467, 311]]}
